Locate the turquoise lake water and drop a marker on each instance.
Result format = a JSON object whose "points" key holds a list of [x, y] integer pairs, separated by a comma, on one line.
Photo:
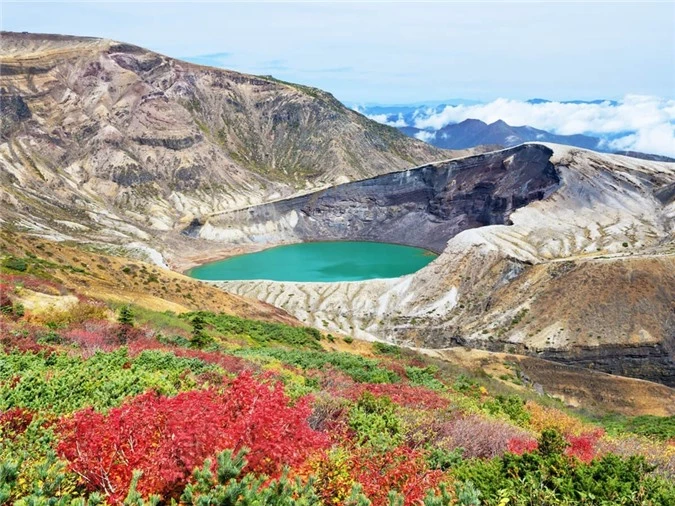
{"points": [[319, 261]]}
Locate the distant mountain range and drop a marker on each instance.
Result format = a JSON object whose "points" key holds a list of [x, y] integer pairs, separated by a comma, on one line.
{"points": [[599, 101], [474, 132]]}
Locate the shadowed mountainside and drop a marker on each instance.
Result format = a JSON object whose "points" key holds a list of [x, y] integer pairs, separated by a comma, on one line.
{"points": [[421, 207], [474, 132]]}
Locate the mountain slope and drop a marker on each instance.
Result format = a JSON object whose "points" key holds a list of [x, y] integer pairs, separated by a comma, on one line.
{"points": [[474, 132], [548, 250], [116, 142]]}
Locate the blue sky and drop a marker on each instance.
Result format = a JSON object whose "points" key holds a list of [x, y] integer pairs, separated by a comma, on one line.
{"points": [[398, 52]]}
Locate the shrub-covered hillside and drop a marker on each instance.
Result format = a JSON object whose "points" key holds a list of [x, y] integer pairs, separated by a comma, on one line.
{"points": [[103, 402]]}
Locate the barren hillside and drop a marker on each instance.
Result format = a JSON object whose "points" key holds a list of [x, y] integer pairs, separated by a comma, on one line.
{"points": [[116, 143]]}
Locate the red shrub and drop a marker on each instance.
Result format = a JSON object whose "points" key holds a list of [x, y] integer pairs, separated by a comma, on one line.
{"points": [[394, 366], [583, 446], [331, 379], [21, 337], [519, 445], [400, 393], [34, 284], [88, 339], [95, 335], [5, 301], [402, 469], [230, 363], [15, 421], [167, 438], [404, 395]]}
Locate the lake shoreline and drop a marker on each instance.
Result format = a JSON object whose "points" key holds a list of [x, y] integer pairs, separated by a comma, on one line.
{"points": [[312, 261]]}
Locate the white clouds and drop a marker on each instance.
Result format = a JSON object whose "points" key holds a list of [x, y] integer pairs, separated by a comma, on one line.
{"points": [[425, 136], [385, 119], [647, 122], [518, 49], [659, 139]]}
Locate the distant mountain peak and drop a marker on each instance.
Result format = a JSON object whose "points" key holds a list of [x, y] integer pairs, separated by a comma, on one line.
{"points": [[500, 123], [473, 132], [472, 121]]}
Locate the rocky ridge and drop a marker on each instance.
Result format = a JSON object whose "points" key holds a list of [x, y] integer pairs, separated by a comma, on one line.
{"points": [[423, 207]]}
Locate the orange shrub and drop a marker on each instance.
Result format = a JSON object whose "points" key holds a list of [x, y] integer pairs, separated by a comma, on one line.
{"points": [[551, 418], [79, 313]]}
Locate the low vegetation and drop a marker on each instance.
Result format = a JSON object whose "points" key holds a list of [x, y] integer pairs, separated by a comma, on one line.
{"points": [[109, 403]]}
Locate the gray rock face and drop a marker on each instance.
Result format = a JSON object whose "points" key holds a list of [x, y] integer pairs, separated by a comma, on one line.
{"points": [[584, 274], [421, 207], [650, 362], [13, 110]]}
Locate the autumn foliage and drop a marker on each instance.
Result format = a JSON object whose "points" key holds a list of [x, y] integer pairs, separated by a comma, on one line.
{"points": [[15, 421], [402, 470], [401, 394], [584, 445], [167, 437], [522, 445]]}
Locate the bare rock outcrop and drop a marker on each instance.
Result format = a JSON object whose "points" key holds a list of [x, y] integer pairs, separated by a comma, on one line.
{"points": [[421, 207]]}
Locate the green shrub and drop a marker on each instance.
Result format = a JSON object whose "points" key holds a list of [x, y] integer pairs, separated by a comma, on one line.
{"points": [[60, 383], [125, 316], [465, 384], [260, 332], [15, 264], [375, 422], [551, 442], [386, 349], [511, 406], [18, 309], [440, 458], [548, 476], [199, 338], [656, 427], [228, 486], [467, 494], [424, 376], [361, 369]]}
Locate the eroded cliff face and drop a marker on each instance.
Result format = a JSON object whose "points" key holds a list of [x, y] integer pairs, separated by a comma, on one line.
{"points": [[583, 274], [423, 207]]}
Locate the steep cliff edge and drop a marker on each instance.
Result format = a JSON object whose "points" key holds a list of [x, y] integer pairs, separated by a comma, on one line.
{"points": [[422, 207]]}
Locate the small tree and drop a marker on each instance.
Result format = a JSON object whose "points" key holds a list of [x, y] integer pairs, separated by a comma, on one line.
{"points": [[199, 338], [552, 442], [19, 310], [125, 318]]}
